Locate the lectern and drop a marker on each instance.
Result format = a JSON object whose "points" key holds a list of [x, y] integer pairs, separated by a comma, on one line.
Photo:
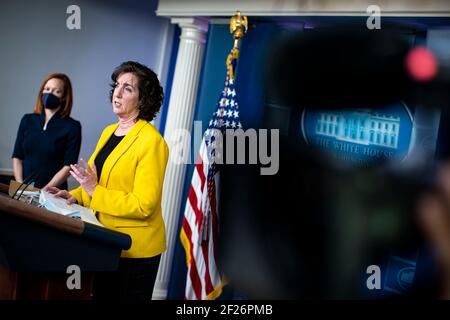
{"points": [[38, 246]]}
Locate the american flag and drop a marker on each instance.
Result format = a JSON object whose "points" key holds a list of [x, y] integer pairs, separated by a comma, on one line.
{"points": [[199, 232]]}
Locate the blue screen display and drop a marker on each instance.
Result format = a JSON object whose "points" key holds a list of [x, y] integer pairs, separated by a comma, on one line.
{"points": [[361, 135]]}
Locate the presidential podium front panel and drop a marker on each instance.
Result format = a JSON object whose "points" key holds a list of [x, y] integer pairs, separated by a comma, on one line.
{"points": [[38, 248]]}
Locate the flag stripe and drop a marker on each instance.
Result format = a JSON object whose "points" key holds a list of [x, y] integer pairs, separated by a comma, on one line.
{"points": [[193, 202], [199, 169], [197, 262], [193, 274], [208, 285], [214, 221]]}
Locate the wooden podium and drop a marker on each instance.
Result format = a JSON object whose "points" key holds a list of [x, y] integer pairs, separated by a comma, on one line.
{"points": [[37, 246]]}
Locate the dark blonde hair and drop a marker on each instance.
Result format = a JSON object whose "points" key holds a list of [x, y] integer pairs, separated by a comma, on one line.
{"points": [[66, 100]]}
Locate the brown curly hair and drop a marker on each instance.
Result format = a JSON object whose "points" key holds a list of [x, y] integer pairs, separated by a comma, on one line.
{"points": [[151, 93]]}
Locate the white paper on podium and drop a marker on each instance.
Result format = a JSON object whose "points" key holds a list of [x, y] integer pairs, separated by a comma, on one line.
{"points": [[59, 205]]}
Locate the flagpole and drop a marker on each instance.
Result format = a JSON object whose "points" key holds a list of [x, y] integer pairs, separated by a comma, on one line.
{"points": [[238, 27], [200, 225]]}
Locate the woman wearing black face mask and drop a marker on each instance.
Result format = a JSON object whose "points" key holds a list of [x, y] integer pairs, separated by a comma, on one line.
{"points": [[48, 140]]}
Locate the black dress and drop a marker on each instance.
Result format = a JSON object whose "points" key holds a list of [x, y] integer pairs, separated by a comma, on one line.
{"points": [[105, 152], [45, 152]]}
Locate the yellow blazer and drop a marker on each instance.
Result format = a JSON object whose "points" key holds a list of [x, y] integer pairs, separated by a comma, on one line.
{"points": [[128, 195]]}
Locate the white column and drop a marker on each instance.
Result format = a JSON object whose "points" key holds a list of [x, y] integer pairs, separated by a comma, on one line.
{"points": [[180, 116]]}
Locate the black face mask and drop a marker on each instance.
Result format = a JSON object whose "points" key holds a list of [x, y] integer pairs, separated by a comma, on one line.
{"points": [[50, 101]]}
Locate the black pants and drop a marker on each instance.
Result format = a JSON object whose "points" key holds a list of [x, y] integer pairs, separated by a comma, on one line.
{"points": [[134, 280]]}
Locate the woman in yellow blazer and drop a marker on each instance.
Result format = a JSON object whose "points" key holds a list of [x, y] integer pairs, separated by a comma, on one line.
{"points": [[123, 181]]}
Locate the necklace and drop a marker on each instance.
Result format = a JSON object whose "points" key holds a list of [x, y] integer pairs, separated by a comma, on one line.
{"points": [[125, 125]]}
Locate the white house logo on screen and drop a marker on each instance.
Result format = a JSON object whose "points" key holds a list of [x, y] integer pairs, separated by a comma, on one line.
{"points": [[405, 277], [360, 127], [361, 135]]}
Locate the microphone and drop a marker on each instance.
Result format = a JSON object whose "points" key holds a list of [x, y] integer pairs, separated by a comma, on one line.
{"points": [[28, 180], [31, 182]]}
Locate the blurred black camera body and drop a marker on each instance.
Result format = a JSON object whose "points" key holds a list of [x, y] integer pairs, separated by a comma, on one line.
{"points": [[313, 229]]}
